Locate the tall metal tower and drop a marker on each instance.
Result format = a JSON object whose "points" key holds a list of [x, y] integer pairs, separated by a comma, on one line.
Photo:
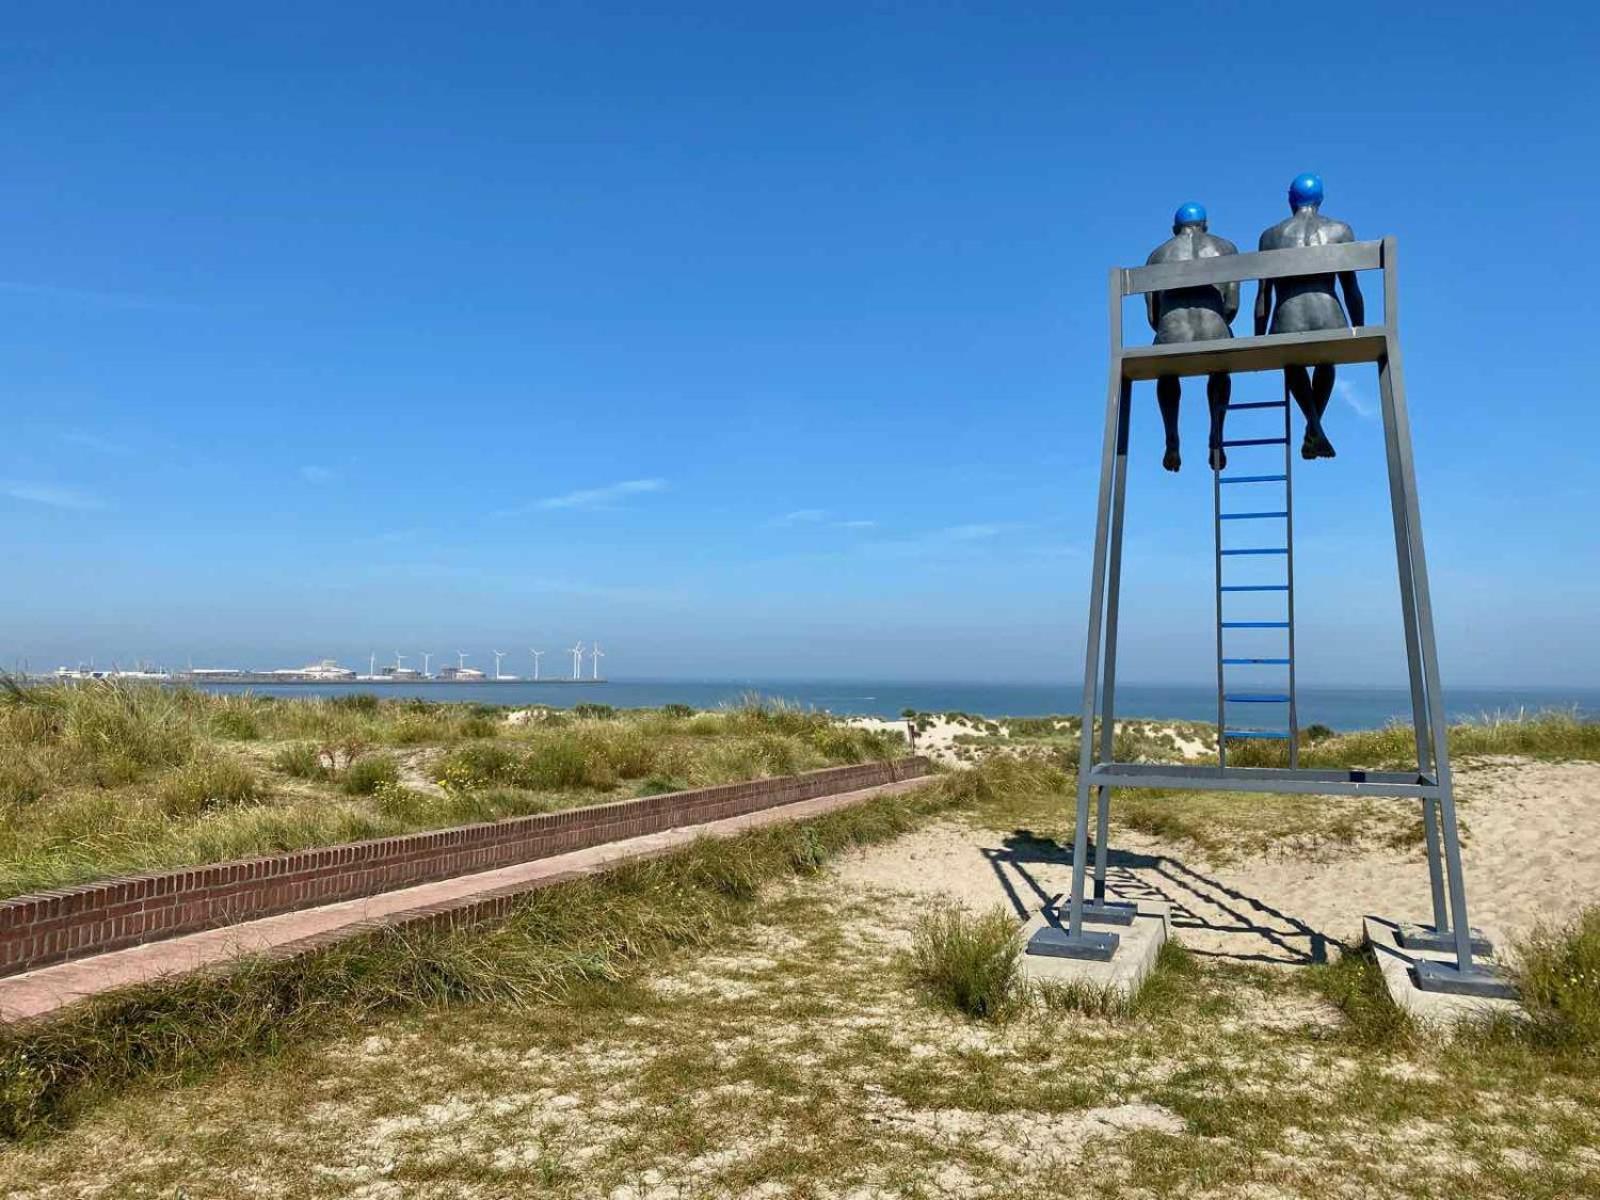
{"points": [[1098, 772]]}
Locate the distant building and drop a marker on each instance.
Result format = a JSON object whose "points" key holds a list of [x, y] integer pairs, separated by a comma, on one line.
{"points": [[326, 671], [462, 674]]}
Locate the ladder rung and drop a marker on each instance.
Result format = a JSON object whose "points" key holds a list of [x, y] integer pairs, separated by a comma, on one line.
{"points": [[1255, 624], [1256, 516], [1255, 733], [1256, 698], [1260, 404], [1255, 587], [1260, 550], [1257, 442], [1254, 479], [1240, 662]]}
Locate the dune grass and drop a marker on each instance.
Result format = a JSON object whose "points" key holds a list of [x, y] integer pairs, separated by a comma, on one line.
{"points": [[563, 938], [109, 778], [718, 1022], [1558, 976], [1551, 734], [1555, 735], [970, 963]]}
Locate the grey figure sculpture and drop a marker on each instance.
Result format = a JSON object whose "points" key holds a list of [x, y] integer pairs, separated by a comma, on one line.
{"points": [[1308, 303], [1192, 314]]}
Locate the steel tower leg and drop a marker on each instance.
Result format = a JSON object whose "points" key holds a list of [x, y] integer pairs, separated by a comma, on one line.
{"points": [[1074, 941], [1419, 700], [1099, 908], [1463, 975]]}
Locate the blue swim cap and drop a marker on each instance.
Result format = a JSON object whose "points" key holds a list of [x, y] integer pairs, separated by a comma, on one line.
{"points": [[1189, 214], [1306, 189]]}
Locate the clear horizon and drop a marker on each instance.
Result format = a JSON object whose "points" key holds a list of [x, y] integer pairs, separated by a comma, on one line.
{"points": [[756, 345]]}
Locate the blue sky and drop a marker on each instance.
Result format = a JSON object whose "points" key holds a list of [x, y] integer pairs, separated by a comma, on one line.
{"points": [[756, 342]]}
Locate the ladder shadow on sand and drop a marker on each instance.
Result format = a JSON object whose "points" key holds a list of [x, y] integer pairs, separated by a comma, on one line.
{"points": [[1197, 901]]}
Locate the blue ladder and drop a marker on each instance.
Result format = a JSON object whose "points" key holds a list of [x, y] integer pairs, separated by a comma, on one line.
{"points": [[1263, 698]]}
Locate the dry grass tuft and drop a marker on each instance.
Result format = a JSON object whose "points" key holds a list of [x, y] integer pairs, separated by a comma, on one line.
{"points": [[969, 963]]}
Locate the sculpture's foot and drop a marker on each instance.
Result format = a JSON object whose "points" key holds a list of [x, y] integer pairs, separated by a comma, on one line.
{"points": [[1316, 445], [1171, 460], [1219, 458]]}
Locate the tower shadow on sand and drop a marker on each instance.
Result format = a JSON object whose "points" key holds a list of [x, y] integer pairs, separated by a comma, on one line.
{"points": [[1198, 902]]}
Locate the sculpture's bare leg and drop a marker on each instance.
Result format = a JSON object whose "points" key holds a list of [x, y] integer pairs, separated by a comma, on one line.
{"points": [[1169, 390], [1311, 394], [1322, 391], [1219, 389]]}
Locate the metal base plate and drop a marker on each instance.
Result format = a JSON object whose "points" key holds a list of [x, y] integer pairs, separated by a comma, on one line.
{"points": [[1096, 912], [1108, 912], [1054, 942], [1426, 937], [1485, 982]]}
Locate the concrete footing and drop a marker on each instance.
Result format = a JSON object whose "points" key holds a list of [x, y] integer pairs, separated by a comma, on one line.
{"points": [[1122, 974], [1422, 997]]}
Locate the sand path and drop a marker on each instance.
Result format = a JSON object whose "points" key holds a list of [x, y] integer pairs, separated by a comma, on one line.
{"points": [[1533, 855]]}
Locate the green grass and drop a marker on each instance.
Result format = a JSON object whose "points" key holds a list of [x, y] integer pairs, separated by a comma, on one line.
{"points": [[301, 760], [970, 963], [560, 939], [1353, 983], [206, 785], [1558, 976], [1552, 735], [106, 779], [370, 772]]}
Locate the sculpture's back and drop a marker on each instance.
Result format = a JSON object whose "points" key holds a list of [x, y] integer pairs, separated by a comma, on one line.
{"points": [[1194, 314], [1307, 302]]}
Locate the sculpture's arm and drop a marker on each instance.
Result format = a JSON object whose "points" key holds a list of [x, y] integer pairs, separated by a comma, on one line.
{"points": [[1150, 313], [1352, 298], [1263, 305], [1230, 301]]}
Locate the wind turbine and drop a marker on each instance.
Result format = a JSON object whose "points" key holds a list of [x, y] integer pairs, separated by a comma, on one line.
{"points": [[425, 659], [372, 664], [399, 661], [461, 660], [577, 661], [537, 655], [498, 655], [596, 654]]}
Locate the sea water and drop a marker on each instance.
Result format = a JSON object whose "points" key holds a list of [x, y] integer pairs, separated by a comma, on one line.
{"points": [[1341, 708]]}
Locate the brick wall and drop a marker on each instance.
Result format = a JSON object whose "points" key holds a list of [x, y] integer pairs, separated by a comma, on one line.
{"points": [[49, 927]]}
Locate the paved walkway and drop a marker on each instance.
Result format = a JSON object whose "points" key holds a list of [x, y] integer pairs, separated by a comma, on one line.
{"points": [[37, 993]]}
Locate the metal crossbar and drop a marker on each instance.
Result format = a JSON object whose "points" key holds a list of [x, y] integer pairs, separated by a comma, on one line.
{"points": [[1258, 264]]}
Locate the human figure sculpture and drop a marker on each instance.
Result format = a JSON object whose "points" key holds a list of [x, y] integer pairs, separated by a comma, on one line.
{"points": [[1192, 314], [1308, 302]]}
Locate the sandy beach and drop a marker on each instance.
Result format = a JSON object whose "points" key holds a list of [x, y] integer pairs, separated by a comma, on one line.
{"points": [[1532, 856]]}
